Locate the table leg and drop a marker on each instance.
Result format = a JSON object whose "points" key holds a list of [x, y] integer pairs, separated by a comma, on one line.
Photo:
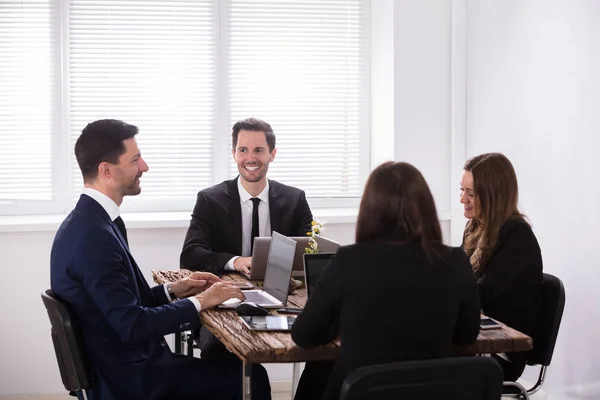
{"points": [[246, 381], [296, 378]]}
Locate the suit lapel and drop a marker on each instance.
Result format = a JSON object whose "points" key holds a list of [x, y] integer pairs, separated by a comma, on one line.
{"points": [[141, 284], [275, 211], [235, 212]]}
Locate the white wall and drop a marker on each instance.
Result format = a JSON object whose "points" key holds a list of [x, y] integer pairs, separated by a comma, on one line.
{"points": [[533, 93], [422, 91], [420, 42]]}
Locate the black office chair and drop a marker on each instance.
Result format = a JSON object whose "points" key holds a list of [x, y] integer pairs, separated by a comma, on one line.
{"points": [[545, 332], [74, 367], [465, 378]]}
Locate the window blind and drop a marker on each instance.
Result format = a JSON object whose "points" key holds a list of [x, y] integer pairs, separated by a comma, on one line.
{"points": [[183, 71], [301, 66], [151, 64], [28, 45]]}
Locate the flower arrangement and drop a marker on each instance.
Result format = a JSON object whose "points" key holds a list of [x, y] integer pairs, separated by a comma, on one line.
{"points": [[315, 230]]}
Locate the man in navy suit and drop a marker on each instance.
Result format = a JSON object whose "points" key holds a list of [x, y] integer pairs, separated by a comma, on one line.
{"points": [[122, 319], [229, 215]]}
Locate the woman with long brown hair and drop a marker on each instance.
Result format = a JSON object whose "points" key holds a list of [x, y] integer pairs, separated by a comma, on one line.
{"points": [[502, 249], [398, 293]]}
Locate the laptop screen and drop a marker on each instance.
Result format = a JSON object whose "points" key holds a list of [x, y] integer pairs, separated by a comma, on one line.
{"points": [[314, 265], [279, 266]]}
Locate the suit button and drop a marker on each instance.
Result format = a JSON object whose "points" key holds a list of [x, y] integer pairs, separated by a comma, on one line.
{"points": [[163, 343]]}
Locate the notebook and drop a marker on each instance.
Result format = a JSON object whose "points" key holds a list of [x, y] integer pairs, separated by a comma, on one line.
{"points": [[314, 265], [277, 276]]}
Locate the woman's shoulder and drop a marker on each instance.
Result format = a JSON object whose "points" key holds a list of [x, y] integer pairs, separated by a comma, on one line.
{"points": [[376, 249], [456, 265], [457, 256], [516, 226]]}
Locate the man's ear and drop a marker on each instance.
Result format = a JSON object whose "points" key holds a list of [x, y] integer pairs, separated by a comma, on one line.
{"points": [[273, 153], [105, 170]]}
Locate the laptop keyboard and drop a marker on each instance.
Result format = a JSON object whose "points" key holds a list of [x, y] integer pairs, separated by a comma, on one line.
{"points": [[258, 298]]}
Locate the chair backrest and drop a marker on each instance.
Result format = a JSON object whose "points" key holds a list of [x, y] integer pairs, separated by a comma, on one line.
{"points": [[68, 345], [548, 322], [466, 378]]}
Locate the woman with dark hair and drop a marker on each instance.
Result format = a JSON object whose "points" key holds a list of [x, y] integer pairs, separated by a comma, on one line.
{"points": [[398, 293], [502, 249]]}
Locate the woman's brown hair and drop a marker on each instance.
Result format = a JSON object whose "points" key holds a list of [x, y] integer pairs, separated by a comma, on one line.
{"points": [[397, 203], [496, 201]]}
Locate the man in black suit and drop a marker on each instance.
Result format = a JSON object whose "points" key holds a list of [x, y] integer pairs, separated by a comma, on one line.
{"points": [[220, 232], [229, 215]]}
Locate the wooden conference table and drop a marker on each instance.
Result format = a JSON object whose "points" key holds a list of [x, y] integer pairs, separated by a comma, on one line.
{"points": [[278, 347]]}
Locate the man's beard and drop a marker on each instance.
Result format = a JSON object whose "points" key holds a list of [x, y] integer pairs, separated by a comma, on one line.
{"points": [[132, 189]]}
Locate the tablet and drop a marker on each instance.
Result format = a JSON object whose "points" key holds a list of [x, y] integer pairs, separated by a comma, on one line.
{"points": [[270, 323], [488, 323]]}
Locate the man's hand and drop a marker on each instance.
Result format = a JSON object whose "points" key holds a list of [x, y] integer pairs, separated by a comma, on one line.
{"points": [[218, 293], [243, 265], [194, 284]]}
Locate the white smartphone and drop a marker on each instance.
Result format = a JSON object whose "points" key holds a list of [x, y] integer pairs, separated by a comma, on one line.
{"points": [[488, 323]]}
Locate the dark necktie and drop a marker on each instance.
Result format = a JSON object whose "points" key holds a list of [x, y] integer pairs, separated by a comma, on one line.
{"points": [[121, 225], [142, 285], [255, 203]]}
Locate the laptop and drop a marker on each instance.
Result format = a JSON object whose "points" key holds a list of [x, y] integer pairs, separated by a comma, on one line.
{"points": [[260, 252], [314, 265], [277, 276]]}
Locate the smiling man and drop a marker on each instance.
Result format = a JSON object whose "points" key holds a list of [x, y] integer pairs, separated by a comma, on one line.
{"points": [[229, 215]]}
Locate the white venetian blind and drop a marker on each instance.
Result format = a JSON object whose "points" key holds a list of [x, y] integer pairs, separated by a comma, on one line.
{"points": [[301, 66], [151, 64], [27, 95]]}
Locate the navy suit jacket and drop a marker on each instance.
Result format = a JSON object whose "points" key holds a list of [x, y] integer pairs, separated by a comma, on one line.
{"points": [[215, 233], [122, 319]]}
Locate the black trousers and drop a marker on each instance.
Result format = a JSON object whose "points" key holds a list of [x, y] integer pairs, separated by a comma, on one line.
{"points": [[513, 368], [314, 380]]}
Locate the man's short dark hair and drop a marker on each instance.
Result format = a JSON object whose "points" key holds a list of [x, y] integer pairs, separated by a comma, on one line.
{"points": [[101, 141], [255, 125]]}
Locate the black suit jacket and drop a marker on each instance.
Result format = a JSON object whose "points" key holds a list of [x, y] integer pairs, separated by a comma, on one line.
{"points": [[393, 304], [215, 232], [510, 286]]}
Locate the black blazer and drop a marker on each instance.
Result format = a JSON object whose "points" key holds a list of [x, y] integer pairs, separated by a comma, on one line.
{"points": [[215, 232], [510, 286], [393, 304]]}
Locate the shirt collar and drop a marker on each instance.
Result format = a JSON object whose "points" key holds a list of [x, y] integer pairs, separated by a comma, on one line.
{"points": [[245, 196], [111, 208]]}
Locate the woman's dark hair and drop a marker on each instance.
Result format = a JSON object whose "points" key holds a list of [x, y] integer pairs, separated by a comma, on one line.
{"points": [[397, 203]]}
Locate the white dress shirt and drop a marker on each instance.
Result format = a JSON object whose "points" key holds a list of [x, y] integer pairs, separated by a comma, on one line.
{"points": [[264, 219], [113, 211]]}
